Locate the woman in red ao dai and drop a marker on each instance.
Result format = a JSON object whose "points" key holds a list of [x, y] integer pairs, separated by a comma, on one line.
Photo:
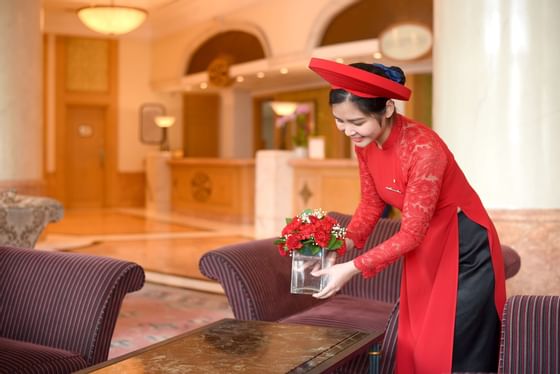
{"points": [[453, 285]]}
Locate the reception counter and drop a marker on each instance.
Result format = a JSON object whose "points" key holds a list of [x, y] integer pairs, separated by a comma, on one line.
{"points": [[228, 189], [214, 188], [331, 184]]}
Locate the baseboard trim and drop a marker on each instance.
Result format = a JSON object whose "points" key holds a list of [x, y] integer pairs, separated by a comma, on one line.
{"points": [[190, 283]]}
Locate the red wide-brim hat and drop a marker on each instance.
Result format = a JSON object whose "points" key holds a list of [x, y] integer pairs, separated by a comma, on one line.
{"points": [[357, 81]]}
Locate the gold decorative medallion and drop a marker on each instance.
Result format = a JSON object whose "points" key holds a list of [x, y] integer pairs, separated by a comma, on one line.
{"points": [[218, 72]]}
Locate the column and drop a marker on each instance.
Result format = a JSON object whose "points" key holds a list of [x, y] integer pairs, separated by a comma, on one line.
{"points": [[158, 181], [273, 192], [21, 129], [496, 95], [236, 124]]}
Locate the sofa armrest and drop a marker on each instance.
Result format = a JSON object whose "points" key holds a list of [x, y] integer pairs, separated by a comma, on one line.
{"points": [[512, 261], [256, 280], [64, 300]]}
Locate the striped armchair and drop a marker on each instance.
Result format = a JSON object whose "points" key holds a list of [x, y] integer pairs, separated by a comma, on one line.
{"points": [[256, 280], [530, 341], [58, 310]]}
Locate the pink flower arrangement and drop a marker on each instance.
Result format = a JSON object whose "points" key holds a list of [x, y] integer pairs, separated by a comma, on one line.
{"points": [[310, 231]]}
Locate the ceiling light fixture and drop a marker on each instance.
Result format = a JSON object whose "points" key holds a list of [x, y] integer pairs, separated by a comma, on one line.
{"points": [[283, 108], [112, 19], [406, 41]]}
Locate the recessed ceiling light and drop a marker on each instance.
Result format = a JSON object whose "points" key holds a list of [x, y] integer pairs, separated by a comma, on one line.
{"points": [[204, 85], [340, 60], [284, 71], [260, 74], [377, 55], [239, 78]]}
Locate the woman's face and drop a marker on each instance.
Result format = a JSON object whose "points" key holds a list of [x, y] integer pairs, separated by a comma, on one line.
{"points": [[362, 129]]}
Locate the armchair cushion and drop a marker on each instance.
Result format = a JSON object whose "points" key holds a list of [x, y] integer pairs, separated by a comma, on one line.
{"points": [[347, 312], [22, 357]]}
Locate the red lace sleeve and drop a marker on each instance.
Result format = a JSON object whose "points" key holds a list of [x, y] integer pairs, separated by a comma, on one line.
{"points": [[369, 209], [424, 162]]}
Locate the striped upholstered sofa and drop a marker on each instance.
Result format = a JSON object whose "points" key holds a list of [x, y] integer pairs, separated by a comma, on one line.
{"points": [[58, 310], [256, 280]]}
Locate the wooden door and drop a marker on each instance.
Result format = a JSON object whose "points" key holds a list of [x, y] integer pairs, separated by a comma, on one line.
{"points": [[85, 156], [201, 121]]}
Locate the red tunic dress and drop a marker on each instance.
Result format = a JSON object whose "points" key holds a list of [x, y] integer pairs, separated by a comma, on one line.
{"points": [[415, 172]]}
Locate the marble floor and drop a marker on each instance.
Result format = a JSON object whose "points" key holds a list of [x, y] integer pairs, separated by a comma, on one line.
{"points": [[168, 246]]}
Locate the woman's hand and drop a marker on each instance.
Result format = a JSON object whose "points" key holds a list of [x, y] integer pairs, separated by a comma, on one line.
{"points": [[337, 275], [331, 256]]}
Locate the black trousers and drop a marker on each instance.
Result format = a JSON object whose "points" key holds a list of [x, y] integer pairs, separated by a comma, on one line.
{"points": [[477, 324]]}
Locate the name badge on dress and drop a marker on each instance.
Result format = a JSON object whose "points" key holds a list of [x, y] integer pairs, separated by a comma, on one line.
{"points": [[392, 189]]}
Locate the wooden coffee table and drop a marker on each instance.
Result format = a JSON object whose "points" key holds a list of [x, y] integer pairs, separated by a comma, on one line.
{"points": [[234, 346]]}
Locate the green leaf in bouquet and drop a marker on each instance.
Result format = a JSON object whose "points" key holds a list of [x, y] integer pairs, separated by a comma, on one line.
{"points": [[310, 250], [280, 240], [333, 243]]}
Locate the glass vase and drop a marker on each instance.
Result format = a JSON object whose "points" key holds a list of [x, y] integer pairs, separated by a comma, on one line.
{"points": [[303, 263]]}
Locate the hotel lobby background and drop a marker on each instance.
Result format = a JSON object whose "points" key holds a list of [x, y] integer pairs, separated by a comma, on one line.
{"points": [[493, 94]]}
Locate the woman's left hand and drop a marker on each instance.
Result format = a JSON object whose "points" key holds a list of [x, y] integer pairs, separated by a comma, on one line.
{"points": [[337, 275]]}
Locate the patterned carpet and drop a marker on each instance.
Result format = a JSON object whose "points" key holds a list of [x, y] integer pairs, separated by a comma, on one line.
{"points": [[158, 312]]}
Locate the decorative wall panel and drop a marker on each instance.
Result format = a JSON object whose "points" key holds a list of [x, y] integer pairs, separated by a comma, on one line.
{"points": [[87, 65]]}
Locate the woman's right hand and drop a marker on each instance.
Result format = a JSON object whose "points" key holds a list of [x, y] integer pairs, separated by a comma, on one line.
{"points": [[337, 276]]}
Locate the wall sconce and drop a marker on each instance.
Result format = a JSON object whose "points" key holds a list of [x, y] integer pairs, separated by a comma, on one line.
{"points": [[164, 122]]}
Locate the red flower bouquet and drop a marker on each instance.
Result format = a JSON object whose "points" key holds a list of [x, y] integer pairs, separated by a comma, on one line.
{"points": [[311, 231]]}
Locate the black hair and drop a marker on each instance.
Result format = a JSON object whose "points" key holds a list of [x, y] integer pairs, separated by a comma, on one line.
{"points": [[369, 105]]}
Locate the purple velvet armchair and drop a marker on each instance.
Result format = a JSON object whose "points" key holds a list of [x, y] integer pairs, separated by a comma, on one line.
{"points": [[58, 310]]}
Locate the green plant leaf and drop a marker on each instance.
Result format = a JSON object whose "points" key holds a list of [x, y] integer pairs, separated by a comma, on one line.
{"points": [[332, 242], [310, 250], [316, 250]]}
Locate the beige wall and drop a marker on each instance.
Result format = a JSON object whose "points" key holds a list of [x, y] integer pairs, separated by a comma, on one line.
{"points": [[134, 90], [296, 35]]}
